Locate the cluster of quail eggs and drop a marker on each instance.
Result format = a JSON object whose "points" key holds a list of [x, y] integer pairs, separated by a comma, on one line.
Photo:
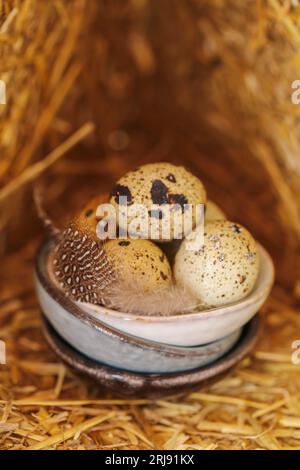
{"points": [[223, 270]]}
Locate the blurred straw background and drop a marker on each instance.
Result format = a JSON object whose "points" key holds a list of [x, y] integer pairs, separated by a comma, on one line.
{"points": [[97, 87]]}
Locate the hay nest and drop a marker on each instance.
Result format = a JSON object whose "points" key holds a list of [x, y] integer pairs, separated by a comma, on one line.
{"points": [[37, 43], [217, 99]]}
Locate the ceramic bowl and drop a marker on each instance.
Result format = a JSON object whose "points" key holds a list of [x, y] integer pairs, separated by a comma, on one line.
{"points": [[108, 345], [196, 328]]}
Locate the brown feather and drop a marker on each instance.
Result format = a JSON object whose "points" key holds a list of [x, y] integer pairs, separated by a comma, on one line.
{"points": [[81, 266]]}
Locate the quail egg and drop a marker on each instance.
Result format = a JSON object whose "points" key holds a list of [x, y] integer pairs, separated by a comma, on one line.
{"points": [[140, 262], [224, 269], [213, 212], [153, 200]]}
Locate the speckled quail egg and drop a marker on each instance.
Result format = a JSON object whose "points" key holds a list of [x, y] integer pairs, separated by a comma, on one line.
{"points": [[213, 212], [224, 270], [140, 262], [166, 193]]}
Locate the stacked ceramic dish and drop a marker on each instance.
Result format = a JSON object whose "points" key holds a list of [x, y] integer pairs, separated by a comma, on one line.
{"points": [[122, 303]]}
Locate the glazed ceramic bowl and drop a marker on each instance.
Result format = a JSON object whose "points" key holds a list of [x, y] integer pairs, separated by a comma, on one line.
{"points": [[106, 344], [196, 328]]}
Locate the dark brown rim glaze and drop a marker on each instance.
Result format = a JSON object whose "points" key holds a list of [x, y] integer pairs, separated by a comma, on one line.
{"points": [[152, 385], [65, 302]]}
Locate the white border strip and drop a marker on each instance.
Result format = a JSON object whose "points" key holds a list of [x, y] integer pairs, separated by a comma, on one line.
{"points": [[2, 353], [2, 92]]}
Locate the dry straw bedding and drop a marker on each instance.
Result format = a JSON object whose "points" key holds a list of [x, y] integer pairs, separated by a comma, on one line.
{"points": [[245, 106], [43, 405]]}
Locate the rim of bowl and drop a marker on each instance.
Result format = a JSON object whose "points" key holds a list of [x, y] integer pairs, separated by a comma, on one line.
{"points": [[258, 293], [74, 309]]}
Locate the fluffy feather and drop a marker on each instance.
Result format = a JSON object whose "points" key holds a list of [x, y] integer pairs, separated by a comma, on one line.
{"points": [[165, 301]]}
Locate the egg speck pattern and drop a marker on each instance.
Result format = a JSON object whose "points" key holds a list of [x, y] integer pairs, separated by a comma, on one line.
{"points": [[139, 262], [164, 186], [224, 270]]}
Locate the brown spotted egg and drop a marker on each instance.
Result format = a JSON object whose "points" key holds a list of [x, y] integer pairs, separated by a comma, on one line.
{"points": [[165, 193], [224, 270], [140, 263]]}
